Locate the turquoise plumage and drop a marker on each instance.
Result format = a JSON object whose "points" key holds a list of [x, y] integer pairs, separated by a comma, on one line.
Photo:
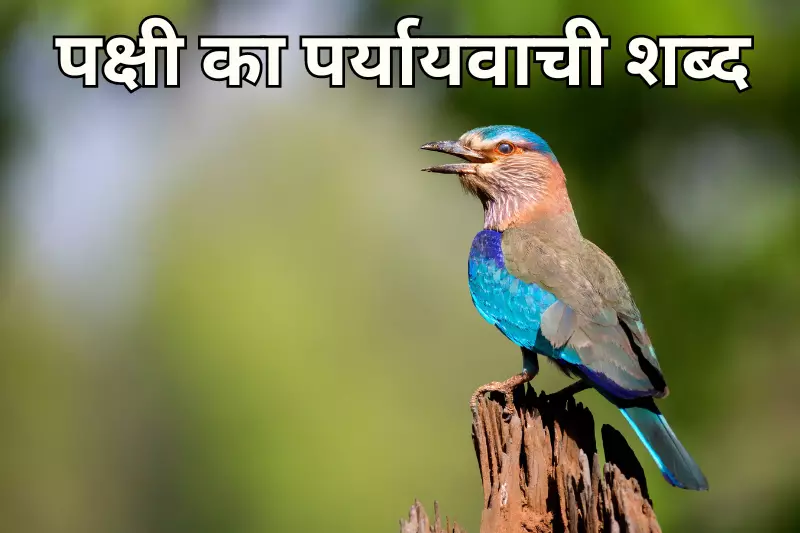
{"points": [[552, 292], [513, 306]]}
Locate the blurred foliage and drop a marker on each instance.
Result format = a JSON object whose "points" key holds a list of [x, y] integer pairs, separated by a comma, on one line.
{"points": [[92, 17], [305, 343]]}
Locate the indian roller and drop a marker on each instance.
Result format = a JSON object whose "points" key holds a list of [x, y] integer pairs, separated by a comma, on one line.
{"points": [[554, 293]]}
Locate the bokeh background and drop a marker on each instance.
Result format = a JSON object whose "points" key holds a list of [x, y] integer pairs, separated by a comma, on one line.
{"points": [[246, 310]]}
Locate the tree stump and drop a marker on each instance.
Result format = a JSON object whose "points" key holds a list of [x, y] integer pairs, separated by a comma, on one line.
{"points": [[418, 521], [541, 472]]}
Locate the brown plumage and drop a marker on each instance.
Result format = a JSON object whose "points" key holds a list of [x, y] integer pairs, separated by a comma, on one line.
{"points": [[595, 313]]}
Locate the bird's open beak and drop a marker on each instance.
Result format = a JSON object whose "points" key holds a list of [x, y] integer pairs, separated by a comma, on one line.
{"points": [[459, 150]]}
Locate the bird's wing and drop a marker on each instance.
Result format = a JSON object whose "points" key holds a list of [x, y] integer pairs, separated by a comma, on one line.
{"points": [[595, 314], [608, 280]]}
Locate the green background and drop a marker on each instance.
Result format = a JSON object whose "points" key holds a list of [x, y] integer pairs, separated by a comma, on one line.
{"points": [[297, 346]]}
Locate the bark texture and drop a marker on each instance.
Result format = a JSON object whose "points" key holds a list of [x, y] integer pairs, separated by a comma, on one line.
{"points": [[418, 521], [541, 472]]}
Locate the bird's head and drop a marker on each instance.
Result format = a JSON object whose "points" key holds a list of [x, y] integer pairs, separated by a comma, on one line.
{"points": [[510, 169]]}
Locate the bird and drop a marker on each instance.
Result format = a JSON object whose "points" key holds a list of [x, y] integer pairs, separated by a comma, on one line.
{"points": [[554, 293]]}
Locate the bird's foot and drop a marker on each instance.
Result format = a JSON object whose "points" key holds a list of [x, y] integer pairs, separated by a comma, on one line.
{"points": [[569, 391], [506, 387]]}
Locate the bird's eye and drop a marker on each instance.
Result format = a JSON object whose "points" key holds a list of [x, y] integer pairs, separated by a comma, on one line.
{"points": [[505, 148]]}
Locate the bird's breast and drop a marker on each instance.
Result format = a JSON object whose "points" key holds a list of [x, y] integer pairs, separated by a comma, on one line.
{"points": [[504, 300]]}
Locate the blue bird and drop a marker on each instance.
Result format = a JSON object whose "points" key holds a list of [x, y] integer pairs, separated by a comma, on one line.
{"points": [[553, 292]]}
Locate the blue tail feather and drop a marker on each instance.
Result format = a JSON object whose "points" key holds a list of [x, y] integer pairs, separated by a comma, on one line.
{"points": [[675, 463]]}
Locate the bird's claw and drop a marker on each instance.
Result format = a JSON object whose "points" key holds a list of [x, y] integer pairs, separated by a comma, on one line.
{"points": [[506, 387], [568, 392]]}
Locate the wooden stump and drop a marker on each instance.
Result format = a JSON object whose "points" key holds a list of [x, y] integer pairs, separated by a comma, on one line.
{"points": [[541, 472], [418, 521]]}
